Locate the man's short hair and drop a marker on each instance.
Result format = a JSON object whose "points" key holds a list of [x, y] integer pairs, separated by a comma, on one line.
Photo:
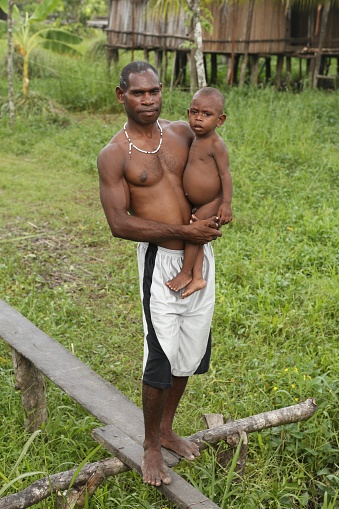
{"points": [[137, 67]]}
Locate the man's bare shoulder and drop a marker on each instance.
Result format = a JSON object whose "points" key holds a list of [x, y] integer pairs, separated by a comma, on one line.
{"points": [[112, 156], [179, 127]]}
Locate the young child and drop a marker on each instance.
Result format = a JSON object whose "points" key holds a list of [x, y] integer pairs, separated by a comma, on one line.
{"points": [[207, 180]]}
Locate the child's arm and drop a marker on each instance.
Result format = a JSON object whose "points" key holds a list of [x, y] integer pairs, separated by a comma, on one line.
{"points": [[222, 161]]}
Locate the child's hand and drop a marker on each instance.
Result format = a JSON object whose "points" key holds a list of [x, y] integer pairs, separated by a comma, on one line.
{"points": [[225, 213]]}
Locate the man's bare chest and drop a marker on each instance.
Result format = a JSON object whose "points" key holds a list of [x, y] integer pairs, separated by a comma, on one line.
{"points": [[151, 169]]}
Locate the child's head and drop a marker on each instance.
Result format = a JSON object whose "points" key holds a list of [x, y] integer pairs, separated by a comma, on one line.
{"points": [[206, 111]]}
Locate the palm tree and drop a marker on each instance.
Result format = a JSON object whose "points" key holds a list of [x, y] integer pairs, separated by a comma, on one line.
{"points": [[27, 35]]}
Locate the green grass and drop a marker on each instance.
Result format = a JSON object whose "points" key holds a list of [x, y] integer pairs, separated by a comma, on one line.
{"points": [[276, 319]]}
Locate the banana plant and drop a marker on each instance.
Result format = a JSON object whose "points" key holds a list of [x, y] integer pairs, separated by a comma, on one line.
{"points": [[28, 34]]}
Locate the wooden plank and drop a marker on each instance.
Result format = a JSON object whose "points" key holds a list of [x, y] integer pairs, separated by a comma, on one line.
{"points": [[180, 492], [75, 378]]}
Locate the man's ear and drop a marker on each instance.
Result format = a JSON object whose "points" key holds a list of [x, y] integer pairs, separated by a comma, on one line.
{"points": [[188, 111], [120, 95], [221, 120]]}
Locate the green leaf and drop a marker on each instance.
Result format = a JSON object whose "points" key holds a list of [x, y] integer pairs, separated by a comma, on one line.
{"points": [[43, 10], [21, 476], [4, 5], [24, 450], [55, 34], [59, 47]]}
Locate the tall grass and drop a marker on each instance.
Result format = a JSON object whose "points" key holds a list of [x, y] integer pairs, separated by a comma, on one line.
{"points": [[276, 319]]}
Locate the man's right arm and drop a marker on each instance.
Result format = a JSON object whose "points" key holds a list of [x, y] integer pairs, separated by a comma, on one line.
{"points": [[115, 199]]}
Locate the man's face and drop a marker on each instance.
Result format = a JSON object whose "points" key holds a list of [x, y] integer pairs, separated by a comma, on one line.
{"points": [[143, 97]]}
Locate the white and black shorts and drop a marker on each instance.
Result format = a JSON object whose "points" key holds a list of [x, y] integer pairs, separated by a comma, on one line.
{"points": [[177, 331]]}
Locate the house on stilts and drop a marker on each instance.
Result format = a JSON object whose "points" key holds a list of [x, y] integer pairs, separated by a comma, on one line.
{"points": [[250, 37]]}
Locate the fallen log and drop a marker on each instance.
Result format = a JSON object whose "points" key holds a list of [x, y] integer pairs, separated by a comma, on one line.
{"points": [[288, 415], [43, 488]]}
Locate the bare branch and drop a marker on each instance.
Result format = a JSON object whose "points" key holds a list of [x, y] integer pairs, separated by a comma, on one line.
{"points": [[287, 415], [43, 488]]}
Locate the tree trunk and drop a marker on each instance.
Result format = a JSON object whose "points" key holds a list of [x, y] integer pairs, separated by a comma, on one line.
{"points": [[194, 5], [10, 64]]}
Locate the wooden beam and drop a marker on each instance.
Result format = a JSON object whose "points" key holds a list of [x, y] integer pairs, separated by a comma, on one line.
{"points": [[74, 377]]}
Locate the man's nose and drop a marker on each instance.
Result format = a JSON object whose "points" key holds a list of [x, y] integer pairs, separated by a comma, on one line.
{"points": [[148, 99]]}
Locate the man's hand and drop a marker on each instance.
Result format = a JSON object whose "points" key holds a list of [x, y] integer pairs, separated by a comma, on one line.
{"points": [[201, 231]]}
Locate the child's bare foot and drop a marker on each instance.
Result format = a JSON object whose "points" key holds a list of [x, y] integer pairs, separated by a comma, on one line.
{"points": [[154, 470], [194, 286], [179, 281], [184, 448]]}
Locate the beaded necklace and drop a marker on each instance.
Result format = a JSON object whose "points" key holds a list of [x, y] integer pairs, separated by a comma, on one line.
{"points": [[140, 149]]}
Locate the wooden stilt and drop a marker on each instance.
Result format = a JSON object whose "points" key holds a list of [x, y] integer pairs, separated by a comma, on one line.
{"points": [[267, 69], [214, 69], [288, 71], [318, 58], [254, 69], [278, 75], [193, 72]]}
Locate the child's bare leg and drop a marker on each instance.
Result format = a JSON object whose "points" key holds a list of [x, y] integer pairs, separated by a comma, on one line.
{"points": [[186, 274], [198, 282]]}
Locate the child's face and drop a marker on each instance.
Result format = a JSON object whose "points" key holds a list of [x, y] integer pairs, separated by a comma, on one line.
{"points": [[204, 115]]}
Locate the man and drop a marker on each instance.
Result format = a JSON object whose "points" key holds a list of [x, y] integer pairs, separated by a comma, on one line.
{"points": [[140, 173]]}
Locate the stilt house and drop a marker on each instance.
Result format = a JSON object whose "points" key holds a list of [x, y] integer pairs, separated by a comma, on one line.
{"points": [[242, 32]]}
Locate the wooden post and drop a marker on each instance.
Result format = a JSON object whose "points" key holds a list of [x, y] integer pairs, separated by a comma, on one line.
{"points": [[158, 62], [278, 75], [214, 68], [31, 382], [254, 69], [173, 69], [193, 73], [164, 66], [288, 71], [267, 69], [247, 43], [112, 54], [228, 61], [236, 68], [318, 57]]}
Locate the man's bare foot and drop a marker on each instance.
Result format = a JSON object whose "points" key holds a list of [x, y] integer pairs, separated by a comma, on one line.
{"points": [[184, 448], [154, 470], [180, 281], [194, 286]]}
